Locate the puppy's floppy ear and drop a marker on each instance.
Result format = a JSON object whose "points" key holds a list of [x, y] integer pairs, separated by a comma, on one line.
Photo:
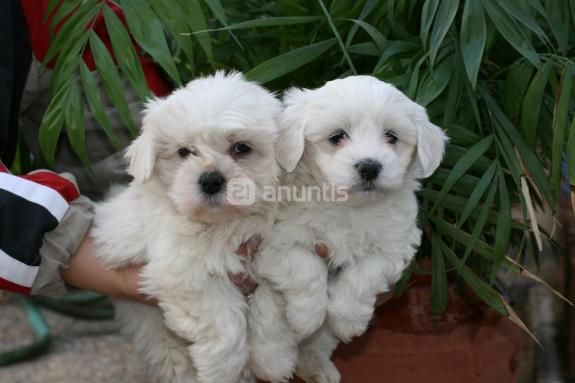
{"points": [[141, 154], [431, 142], [141, 157], [291, 141]]}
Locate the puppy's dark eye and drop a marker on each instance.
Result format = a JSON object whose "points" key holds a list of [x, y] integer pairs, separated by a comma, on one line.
{"points": [[390, 137], [240, 149], [184, 152], [338, 137]]}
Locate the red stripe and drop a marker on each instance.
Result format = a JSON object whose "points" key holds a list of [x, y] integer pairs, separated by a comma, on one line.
{"points": [[3, 168], [65, 187], [15, 288]]}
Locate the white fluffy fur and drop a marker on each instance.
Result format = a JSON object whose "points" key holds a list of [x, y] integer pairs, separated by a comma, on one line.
{"points": [[371, 238], [199, 332]]}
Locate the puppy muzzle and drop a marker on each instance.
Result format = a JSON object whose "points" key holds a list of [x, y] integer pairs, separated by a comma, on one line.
{"points": [[368, 171], [212, 183]]}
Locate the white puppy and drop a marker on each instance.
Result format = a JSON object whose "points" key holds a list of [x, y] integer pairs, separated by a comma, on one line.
{"points": [[365, 137], [177, 217]]}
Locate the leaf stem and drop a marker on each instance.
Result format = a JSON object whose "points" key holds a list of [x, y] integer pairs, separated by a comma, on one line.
{"points": [[337, 36]]}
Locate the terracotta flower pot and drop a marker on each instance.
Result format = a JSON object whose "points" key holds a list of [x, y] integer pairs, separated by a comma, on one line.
{"points": [[409, 344]]}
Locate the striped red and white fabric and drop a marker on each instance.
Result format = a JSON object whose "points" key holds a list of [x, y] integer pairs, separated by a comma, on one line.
{"points": [[30, 206]]}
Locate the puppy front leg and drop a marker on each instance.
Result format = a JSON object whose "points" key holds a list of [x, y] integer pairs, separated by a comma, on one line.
{"points": [[273, 347], [166, 354], [301, 277], [213, 320], [354, 291], [314, 362]]}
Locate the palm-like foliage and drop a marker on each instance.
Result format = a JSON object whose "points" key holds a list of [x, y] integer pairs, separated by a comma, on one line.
{"points": [[497, 75]]}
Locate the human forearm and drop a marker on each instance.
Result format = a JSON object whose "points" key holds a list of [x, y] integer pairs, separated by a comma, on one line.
{"points": [[86, 272]]}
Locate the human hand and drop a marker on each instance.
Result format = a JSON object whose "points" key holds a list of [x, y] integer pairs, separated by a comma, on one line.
{"points": [[247, 251], [86, 272]]}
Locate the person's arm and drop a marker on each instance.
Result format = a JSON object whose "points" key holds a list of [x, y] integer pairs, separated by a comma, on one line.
{"points": [[43, 220], [85, 272]]}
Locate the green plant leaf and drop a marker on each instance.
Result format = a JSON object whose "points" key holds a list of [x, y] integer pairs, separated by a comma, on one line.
{"points": [[51, 7], [571, 152], [473, 37], [52, 123], [435, 82], [75, 25], [455, 202], [528, 156], [403, 283], [453, 101], [174, 19], [125, 53], [220, 14], [516, 83], [285, 63], [197, 22], [266, 22], [503, 227], [473, 201], [367, 49], [443, 20], [560, 116], [482, 289], [465, 185], [67, 61], [506, 150], [391, 49], [454, 152], [414, 81], [464, 163], [480, 223], [532, 103], [146, 29], [438, 279], [471, 96], [112, 81], [377, 37], [95, 104], [524, 18], [511, 31], [76, 125], [557, 15], [367, 9], [338, 37], [464, 238], [218, 11], [459, 135], [428, 13]]}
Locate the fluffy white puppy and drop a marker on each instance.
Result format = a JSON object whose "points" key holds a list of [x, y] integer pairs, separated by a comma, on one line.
{"points": [[362, 136], [178, 219]]}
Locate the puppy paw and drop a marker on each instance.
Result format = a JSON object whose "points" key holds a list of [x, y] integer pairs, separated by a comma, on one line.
{"points": [[305, 317], [273, 362], [306, 308], [220, 360], [324, 372], [350, 320], [247, 376]]}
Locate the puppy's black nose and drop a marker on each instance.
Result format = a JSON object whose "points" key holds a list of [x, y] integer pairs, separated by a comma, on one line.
{"points": [[212, 182], [368, 169]]}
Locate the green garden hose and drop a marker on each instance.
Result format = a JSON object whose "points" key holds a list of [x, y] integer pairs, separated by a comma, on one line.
{"points": [[83, 305], [90, 309], [42, 338]]}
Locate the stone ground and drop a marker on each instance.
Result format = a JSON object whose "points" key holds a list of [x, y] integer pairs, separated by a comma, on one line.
{"points": [[93, 351], [82, 351]]}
